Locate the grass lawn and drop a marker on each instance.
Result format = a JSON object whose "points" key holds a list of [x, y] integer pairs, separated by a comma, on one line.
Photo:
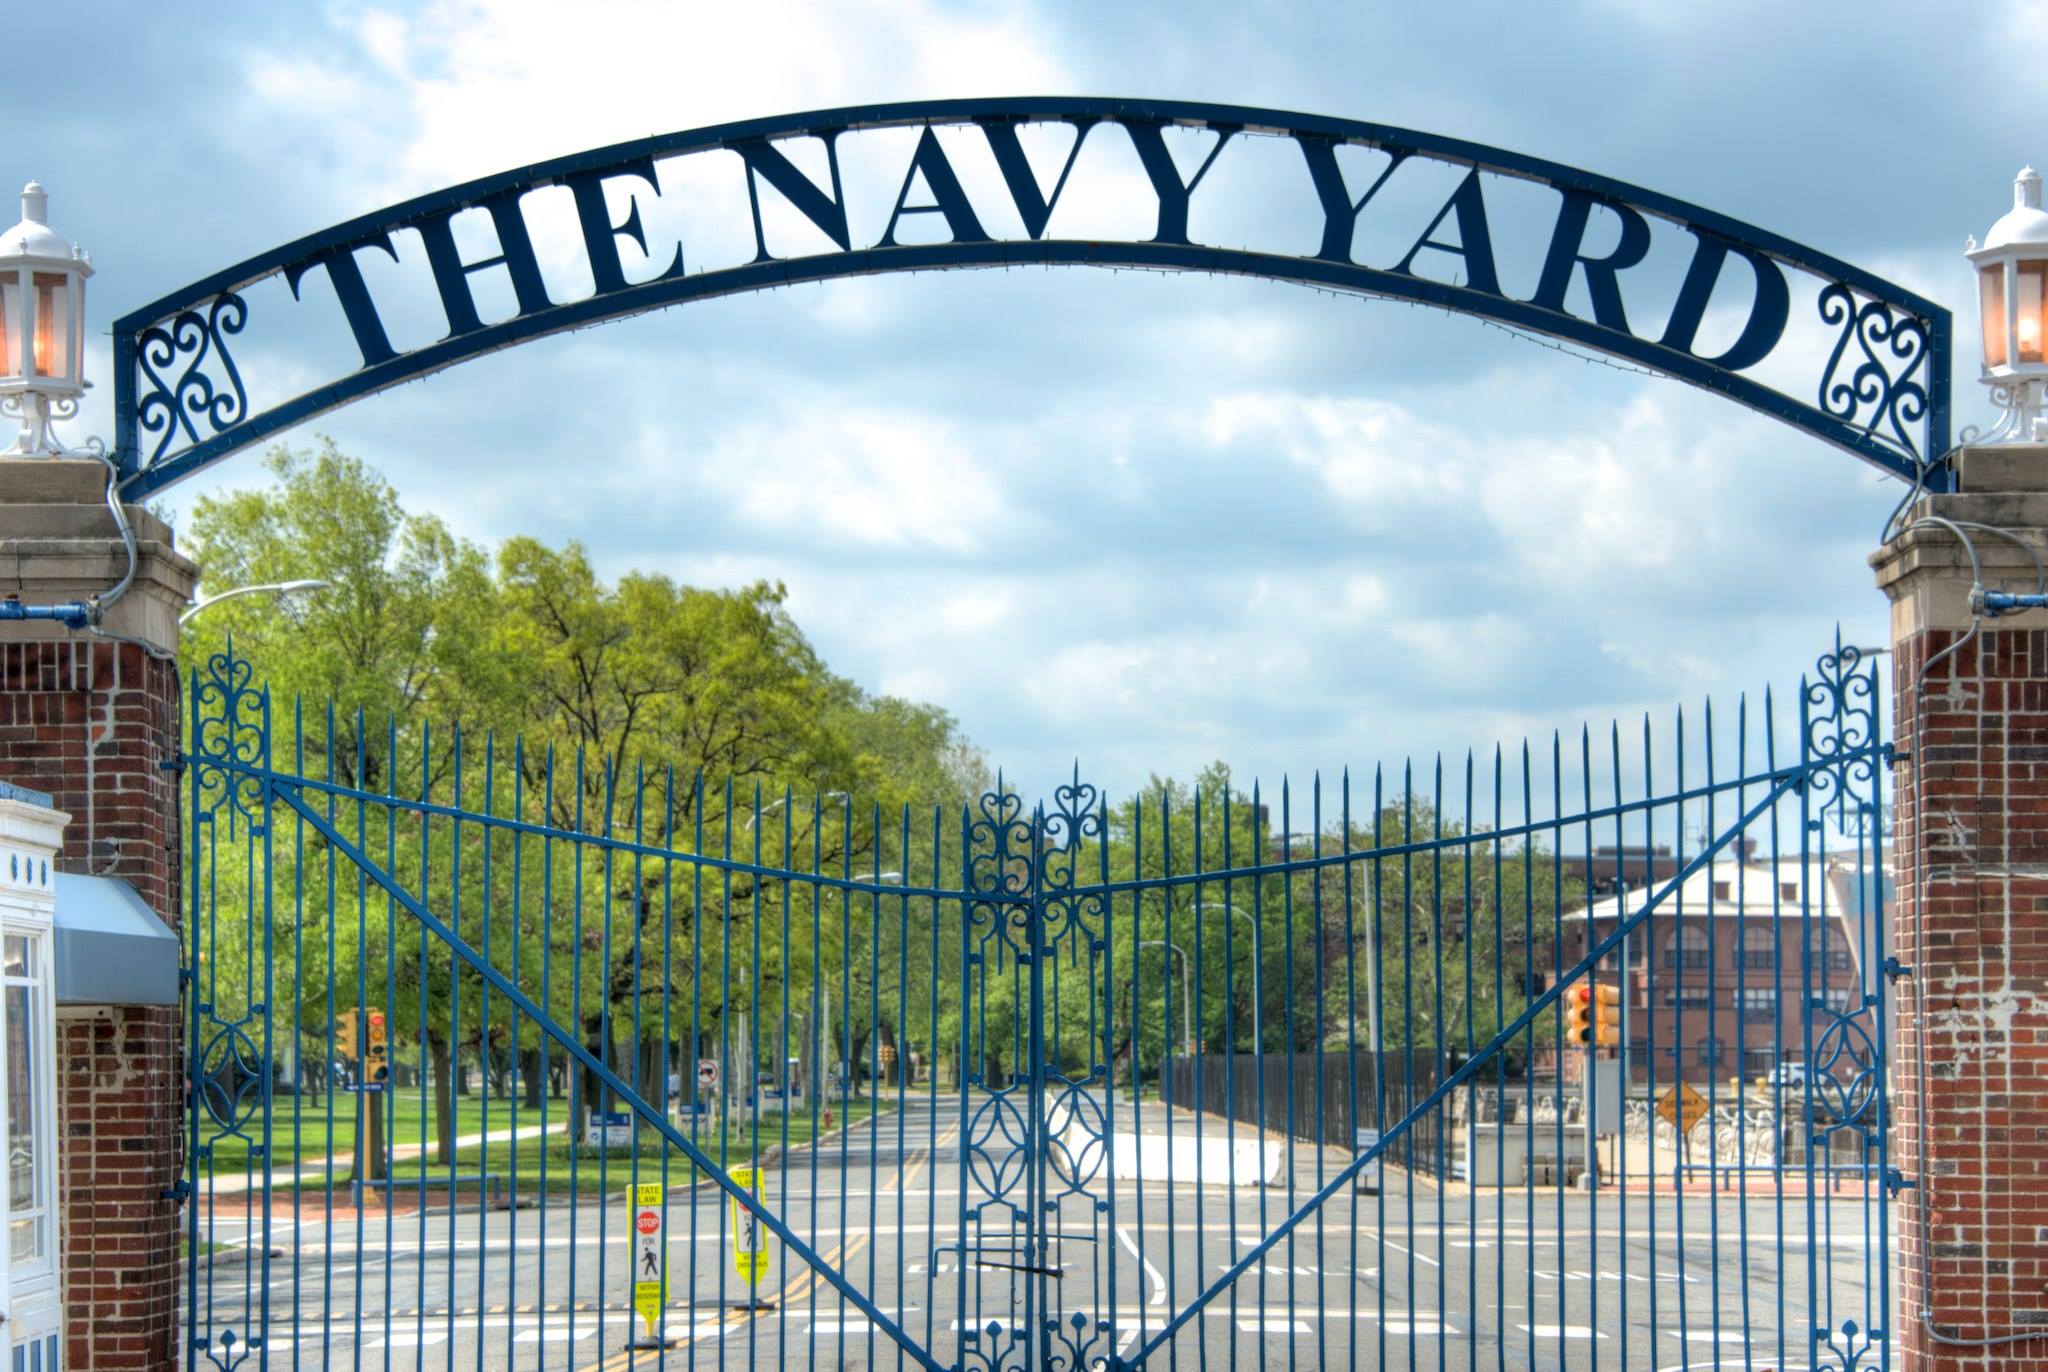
{"points": [[585, 1172], [299, 1129], [581, 1169]]}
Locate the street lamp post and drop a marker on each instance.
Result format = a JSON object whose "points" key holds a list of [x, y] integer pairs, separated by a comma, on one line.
{"points": [[1372, 984], [2012, 308], [268, 587], [773, 806], [1229, 908], [1187, 1003], [42, 343]]}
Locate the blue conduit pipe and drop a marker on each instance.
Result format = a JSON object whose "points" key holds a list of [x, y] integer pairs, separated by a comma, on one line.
{"points": [[2007, 602], [76, 615]]}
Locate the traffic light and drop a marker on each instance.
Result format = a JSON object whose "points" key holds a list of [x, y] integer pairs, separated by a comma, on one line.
{"points": [[1578, 1026], [347, 1044], [1606, 1015], [1593, 1015], [376, 1061]]}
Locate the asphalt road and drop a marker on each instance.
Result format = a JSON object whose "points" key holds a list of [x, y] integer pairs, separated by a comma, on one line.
{"points": [[1415, 1276]]}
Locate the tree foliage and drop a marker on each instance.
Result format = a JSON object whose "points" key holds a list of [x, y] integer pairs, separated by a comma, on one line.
{"points": [[432, 681]]}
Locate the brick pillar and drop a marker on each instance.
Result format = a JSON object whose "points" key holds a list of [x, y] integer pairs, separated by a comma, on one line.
{"points": [[92, 722], [1971, 921]]}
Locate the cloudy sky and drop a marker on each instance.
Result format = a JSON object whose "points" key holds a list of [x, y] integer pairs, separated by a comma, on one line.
{"points": [[1142, 521]]}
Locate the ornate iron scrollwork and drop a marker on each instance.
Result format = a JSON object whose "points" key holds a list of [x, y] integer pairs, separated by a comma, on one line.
{"points": [[999, 872], [228, 750], [170, 405], [230, 734], [1072, 1345], [1855, 1347], [1841, 755], [229, 1352], [1841, 732], [1876, 388]]}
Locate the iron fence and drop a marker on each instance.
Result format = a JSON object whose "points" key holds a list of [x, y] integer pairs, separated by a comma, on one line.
{"points": [[764, 1080]]}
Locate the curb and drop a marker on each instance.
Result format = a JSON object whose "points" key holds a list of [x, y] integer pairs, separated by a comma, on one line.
{"points": [[773, 1152], [232, 1257]]}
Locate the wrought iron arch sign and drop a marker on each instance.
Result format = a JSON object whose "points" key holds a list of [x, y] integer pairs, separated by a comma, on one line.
{"points": [[183, 399]]}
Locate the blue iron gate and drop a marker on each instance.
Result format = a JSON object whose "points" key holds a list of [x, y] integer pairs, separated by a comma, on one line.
{"points": [[501, 1057]]}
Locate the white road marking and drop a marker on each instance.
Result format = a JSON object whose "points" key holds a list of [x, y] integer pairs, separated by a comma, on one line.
{"points": [[1427, 1326], [551, 1335], [1559, 1331], [1421, 1257], [1273, 1326], [1152, 1273]]}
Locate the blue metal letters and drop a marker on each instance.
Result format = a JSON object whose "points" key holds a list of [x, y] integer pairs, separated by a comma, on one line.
{"points": [[182, 400]]}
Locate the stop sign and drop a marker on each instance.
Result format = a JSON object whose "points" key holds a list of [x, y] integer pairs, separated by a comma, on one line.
{"points": [[648, 1222]]}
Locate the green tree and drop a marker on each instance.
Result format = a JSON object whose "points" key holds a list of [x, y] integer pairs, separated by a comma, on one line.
{"points": [[647, 750]]}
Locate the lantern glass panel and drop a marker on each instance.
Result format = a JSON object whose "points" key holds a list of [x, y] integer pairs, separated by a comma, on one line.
{"points": [[2030, 309], [53, 325], [10, 324], [1991, 307]]}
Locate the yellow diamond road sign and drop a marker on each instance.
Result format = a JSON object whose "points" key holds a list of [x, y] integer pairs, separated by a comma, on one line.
{"points": [[1682, 1107]]}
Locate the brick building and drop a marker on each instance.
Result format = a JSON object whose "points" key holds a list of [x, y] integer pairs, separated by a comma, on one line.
{"points": [[1716, 976], [92, 722]]}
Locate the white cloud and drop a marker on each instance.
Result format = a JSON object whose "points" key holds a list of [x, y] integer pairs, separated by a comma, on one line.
{"points": [[873, 476], [460, 88], [1149, 523]]}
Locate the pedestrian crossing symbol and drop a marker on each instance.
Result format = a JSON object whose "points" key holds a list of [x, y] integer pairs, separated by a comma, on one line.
{"points": [[749, 1239], [649, 1262]]}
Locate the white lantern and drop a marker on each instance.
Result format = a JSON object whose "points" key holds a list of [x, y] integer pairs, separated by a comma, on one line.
{"points": [[2012, 306], [42, 316]]}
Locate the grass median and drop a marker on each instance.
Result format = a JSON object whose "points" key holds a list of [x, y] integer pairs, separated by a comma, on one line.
{"points": [[528, 1165], [585, 1171], [302, 1134]]}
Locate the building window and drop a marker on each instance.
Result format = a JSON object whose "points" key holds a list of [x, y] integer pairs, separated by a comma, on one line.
{"points": [[1759, 1002], [1721, 890], [28, 1171], [1838, 952], [1688, 948], [1759, 949], [1757, 1062], [1836, 999], [1710, 1052], [1688, 997], [1789, 890]]}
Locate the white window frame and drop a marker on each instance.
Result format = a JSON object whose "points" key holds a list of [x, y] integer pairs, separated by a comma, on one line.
{"points": [[29, 1279]]}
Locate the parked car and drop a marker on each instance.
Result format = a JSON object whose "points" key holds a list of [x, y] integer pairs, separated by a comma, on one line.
{"points": [[1793, 1076]]}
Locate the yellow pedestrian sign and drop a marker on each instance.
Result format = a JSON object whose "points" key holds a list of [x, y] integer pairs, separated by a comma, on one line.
{"points": [[650, 1262], [749, 1238], [1681, 1107]]}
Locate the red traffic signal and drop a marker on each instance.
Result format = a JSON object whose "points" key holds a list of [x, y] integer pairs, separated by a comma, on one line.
{"points": [[376, 1062], [1593, 1015], [1578, 1023]]}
